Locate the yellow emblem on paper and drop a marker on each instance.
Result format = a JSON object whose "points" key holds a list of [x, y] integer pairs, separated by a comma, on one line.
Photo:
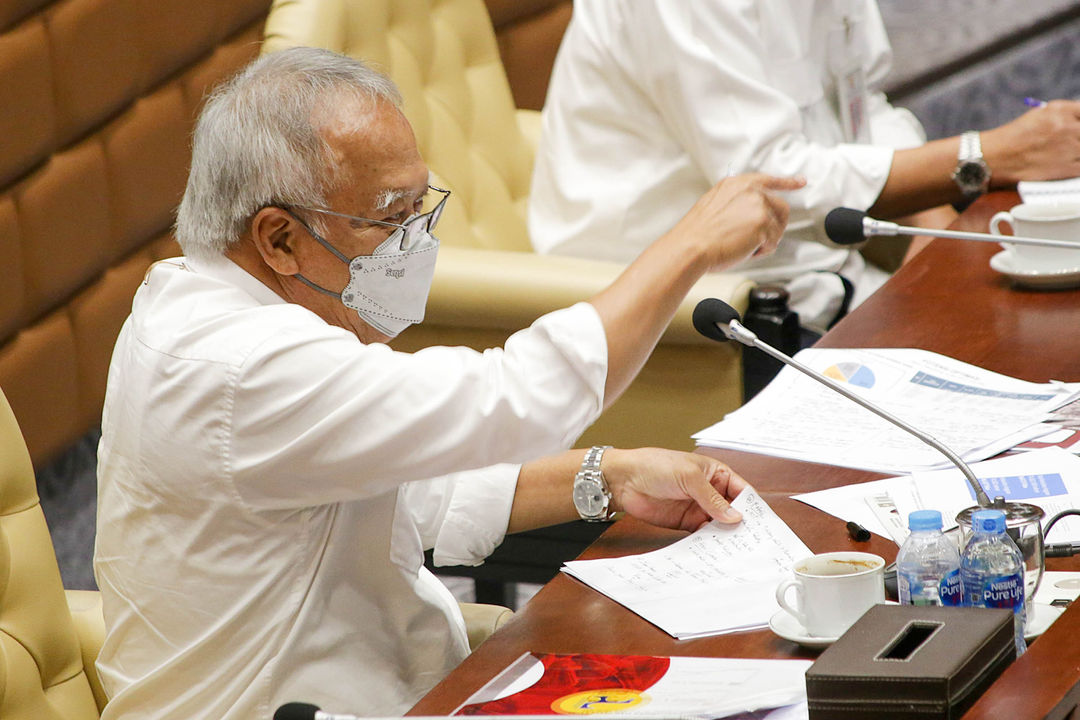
{"points": [[594, 702]]}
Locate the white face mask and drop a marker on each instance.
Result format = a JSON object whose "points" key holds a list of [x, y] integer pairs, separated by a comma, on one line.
{"points": [[389, 288]]}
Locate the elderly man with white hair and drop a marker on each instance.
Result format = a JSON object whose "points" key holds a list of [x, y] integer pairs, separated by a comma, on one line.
{"points": [[270, 471]]}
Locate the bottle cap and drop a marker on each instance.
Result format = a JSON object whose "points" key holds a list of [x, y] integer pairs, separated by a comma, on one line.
{"points": [[988, 521], [924, 520], [1017, 515]]}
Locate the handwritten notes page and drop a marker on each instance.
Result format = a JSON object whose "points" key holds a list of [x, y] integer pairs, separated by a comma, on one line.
{"points": [[720, 579]]}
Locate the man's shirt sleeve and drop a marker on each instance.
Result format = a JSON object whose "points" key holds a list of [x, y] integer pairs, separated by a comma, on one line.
{"points": [[328, 419]]}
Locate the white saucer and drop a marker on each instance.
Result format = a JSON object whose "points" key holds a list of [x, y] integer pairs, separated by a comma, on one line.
{"points": [[1003, 262], [1042, 616], [787, 627]]}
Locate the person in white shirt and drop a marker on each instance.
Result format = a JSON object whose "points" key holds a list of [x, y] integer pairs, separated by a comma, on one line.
{"points": [[652, 101], [270, 471]]}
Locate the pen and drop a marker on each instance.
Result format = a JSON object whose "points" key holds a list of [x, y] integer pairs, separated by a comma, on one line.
{"points": [[1034, 102], [857, 532]]}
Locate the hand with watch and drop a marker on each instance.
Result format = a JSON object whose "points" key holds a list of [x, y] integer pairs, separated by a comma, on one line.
{"points": [[1041, 144], [972, 174], [662, 487]]}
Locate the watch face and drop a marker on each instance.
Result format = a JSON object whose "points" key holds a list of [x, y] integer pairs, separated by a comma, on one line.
{"points": [[971, 175], [589, 498]]}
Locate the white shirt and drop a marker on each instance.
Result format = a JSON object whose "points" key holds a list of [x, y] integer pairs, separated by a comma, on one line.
{"points": [[652, 102], [263, 507]]}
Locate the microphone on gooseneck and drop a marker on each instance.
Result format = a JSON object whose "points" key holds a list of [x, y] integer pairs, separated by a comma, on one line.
{"points": [[846, 226], [297, 711], [307, 711], [717, 320]]}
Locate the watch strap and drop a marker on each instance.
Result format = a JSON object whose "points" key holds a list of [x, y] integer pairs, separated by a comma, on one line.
{"points": [[590, 471], [969, 162]]}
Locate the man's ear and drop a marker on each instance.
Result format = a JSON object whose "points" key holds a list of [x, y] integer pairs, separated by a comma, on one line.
{"points": [[274, 233]]}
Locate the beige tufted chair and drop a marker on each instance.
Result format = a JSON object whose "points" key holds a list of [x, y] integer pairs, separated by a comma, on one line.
{"points": [[48, 643], [488, 282]]}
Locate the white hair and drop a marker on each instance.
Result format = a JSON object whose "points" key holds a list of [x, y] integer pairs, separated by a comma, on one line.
{"points": [[257, 142]]}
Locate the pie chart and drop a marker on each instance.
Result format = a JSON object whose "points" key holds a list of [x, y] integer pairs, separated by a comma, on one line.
{"points": [[851, 372]]}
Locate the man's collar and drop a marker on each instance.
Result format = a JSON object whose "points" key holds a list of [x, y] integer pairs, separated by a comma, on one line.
{"points": [[226, 270]]}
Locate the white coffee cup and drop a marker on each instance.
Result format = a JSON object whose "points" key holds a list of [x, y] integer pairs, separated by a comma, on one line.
{"points": [[1050, 221], [833, 590]]}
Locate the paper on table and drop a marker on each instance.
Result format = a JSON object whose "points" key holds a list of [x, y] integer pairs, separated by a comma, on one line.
{"points": [[722, 578], [1066, 438], [975, 412], [1049, 478], [1042, 192], [644, 686]]}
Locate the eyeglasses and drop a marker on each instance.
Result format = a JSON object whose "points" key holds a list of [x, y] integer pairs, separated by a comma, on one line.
{"points": [[411, 228]]}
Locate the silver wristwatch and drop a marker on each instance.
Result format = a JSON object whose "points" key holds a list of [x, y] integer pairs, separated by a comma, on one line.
{"points": [[972, 174], [592, 499]]}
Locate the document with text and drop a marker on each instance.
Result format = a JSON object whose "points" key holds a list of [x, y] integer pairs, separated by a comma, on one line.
{"points": [[721, 578], [1049, 478], [975, 412]]}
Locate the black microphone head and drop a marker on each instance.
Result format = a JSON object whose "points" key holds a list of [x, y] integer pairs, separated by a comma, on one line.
{"points": [[844, 226], [296, 711], [708, 313]]}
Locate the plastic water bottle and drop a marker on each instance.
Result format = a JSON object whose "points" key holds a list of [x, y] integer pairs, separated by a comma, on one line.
{"points": [[928, 564], [992, 569]]}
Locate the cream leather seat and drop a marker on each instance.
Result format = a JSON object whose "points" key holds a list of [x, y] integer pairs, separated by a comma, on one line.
{"points": [[488, 282], [47, 649]]}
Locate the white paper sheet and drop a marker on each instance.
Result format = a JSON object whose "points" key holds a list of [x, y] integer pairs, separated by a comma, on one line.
{"points": [[1045, 192], [720, 579], [1049, 478], [975, 412]]}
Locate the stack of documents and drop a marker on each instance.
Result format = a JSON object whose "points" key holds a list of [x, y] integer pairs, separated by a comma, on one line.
{"points": [[1063, 431], [720, 579], [975, 412]]}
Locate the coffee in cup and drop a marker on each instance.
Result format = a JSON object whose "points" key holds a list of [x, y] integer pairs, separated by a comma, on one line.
{"points": [[832, 590], [1048, 221]]}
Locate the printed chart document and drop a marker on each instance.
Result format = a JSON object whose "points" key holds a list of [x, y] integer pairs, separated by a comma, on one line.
{"points": [[975, 412], [1049, 478], [645, 686], [721, 578]]}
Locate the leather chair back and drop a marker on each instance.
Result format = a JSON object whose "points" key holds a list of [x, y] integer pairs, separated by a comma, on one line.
{"points": [[444, 58], [41, 665], [99, 98]]}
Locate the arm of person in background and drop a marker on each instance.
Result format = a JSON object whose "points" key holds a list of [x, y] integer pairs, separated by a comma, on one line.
{"points": [[1041, 144], [662, 487], [731, 101], [737, 218]]}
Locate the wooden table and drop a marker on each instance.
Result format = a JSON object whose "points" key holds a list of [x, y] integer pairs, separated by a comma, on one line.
{"points": [[947, 300]]}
